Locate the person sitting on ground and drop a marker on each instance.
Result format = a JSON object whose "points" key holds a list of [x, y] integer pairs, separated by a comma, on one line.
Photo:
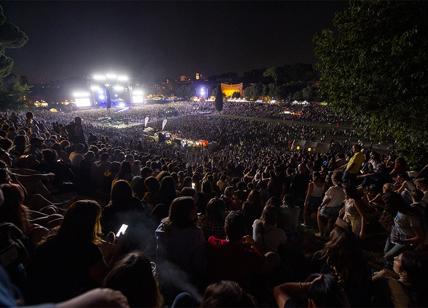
{"points": [[331, 205], [178, 238], [226, 294], [236, 257], [314, 198], [123, 208], [354, 211], [404, 285], [70, 261], [407, 232], [133, 276], [319, 290], [14, 211], [266, 234], [213, 221], [343, 257]]}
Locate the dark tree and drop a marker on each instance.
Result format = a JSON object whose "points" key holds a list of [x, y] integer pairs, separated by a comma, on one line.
{"points": [[372, 65], [10, 37], [219, 99]]}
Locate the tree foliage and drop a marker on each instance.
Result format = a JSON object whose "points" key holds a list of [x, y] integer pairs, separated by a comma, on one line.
{"points": [[10, 37], [372, 63]]}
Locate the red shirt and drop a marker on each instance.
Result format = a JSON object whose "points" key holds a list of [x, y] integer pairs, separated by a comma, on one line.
{"points": [[233, 261]]}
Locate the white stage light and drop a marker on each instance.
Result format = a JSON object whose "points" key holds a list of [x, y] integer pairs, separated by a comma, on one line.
{"points": [[137, 92], [99, 77], [82, 102], [79, 94], [137, 99], [96, 88], [123, 78], [118, 88], [111, 76]]}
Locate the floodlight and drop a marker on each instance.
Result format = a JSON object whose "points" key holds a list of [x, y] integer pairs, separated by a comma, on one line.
{"points": [[111, 76], [137, 92], [78, 94], [123, 78], [96, 88], [121, 105], [101, 97], [99, 77], [82, 102], [118, 88]]}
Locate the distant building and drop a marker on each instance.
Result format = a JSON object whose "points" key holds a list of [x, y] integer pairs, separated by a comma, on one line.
{"points": [[183, 78], [198, 76], [229, 89]]}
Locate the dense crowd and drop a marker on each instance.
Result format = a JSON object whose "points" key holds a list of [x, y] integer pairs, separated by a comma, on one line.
{"points": [[94, 215]]}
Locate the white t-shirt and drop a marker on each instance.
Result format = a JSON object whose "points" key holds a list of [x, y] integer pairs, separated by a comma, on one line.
{"points": [[270, 237], [336, 196]]}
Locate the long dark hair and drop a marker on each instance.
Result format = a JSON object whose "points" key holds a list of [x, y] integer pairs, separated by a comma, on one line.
{"points": [[121, 192], [12, 210], [133, 276], [167, 190], [81, 223], [180, 212], [343, 254]]}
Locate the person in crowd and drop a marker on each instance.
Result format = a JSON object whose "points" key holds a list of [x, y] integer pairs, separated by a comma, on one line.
{"points": [[234, 258], [167, 191], [403, 286], [179, 240], [331, 205], [314, 198], [70, 261], [266, 235], [226, 294], [133, 276], [342, 257], [93, 298], [407, 231], [354, 211], [152, 195], [125, 172], [422, 185], [213, 221], [123, 208], [319, 290], [354, 165], [14, 211]]}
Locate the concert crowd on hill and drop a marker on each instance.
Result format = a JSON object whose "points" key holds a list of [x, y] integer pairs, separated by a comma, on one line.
{"points": [[92, 215]]}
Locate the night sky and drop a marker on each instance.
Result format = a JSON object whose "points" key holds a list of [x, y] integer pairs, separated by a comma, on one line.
{"points": [[151, 40]]}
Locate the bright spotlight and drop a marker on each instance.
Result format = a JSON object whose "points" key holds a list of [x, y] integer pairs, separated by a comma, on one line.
{"points": [[99, 77], [82, 102], [96, 88], [111, 76], [138, 99], [118, 88], [123, 78], [101, 97], [121, 105], [202, 92], [79, 94], [137, 92]]}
